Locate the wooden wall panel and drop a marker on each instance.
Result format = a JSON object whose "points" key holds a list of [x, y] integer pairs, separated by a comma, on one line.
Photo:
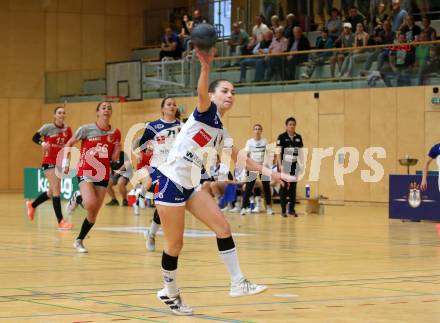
{"points": [[22, 127], [69, 6], [261, 112], [410, 125], [92, 42], [25, 5], [135, 30], [27, 57], [51, 41], [383, 123], [4, 142], [432, 135], [283, 106], [50, 5], [69, 41], [4, 5], [357, 135], [242, 106], [331, 134], [236, 126], [116, 38], [93, 6], [116, 7], [428, 96], [5, 56], [331, 102], [136, 7], [307, 126]]}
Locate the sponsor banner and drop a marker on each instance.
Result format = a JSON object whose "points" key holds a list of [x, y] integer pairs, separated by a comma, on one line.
{"points": [[36, 183]]}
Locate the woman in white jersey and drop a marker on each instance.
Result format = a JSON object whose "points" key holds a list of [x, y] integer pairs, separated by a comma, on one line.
{"points": [[256, 149], [159, 135], [176, 188]]}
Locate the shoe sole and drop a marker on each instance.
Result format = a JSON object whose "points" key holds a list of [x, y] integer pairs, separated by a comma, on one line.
{"points": [[249, 294]]}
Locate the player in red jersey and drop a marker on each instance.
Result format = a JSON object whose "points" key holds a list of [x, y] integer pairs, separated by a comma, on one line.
{"points": [[100, 144], [52, 137]]}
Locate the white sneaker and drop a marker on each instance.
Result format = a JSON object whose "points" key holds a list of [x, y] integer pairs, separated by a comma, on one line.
{"points": [[269, 211], [245, 287], [243, 211], [79, 246], [136, 209], [151, 241], [174, 303], [236, 209], [226, 209], [72, 205], [255, 210], [305, 75]]}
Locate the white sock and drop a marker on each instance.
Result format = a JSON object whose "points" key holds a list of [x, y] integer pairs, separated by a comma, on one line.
{"points": [[230, 258], [169, 281], [258, 201], [154, 228]]}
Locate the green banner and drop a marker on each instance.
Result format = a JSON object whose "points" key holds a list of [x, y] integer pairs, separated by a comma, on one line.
{"points": [[36, 183]]}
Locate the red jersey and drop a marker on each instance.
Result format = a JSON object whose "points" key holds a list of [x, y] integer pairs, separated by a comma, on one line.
{"points": [[97, 146], [56, 137], [144, 158]]}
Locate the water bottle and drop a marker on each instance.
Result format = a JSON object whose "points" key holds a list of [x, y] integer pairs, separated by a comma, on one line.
{"points": [[307, 194]]}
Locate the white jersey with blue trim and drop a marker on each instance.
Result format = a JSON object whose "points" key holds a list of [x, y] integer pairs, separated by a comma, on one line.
{"points": [[161, 135], [434, 153], [203, 135]]}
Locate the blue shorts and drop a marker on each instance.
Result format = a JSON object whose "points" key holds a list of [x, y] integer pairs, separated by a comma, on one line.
{"points": [[168, 193]]}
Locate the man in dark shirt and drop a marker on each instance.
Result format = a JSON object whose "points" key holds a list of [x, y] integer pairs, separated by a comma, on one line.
{"points": [[170, 45], [289, 144], [354, 17], [411, 30]]}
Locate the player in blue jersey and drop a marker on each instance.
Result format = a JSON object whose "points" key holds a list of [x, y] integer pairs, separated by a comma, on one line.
{"points": [[178, 181]]}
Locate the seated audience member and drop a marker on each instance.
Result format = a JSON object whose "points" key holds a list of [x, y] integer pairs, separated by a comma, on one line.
{"points": [[354, 18], [267, 67], [291, 22], [237, 43], [258, 32], [426, 27], [381, 15], [298, 43], [411, 30], [398, 16], [381, 37], [432, 65], [197, 18], [260, 49], [120, 175], [356, 55], [322, 42], [402, 59], [170, 45], [422, 51], [185, 31], [334, 25], [346, 40]]}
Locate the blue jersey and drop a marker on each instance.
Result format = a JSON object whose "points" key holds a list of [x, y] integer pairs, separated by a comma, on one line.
{"points": [[161, 135]]}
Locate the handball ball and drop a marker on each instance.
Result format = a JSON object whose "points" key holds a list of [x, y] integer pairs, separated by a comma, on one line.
{"points": [[204, 36]]}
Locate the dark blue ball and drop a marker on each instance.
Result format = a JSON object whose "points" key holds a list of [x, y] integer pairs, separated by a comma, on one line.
{"points": [[204, 36]]}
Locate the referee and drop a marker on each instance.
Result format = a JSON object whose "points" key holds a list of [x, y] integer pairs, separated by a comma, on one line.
{"points": [[288, 144]]}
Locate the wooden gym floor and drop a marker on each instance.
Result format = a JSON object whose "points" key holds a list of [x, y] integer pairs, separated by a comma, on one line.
{"points": [[350, 265]]}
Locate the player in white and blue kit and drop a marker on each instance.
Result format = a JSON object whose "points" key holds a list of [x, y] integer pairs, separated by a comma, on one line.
{"points": [[159, 135], [176, 190], [434, 153]]}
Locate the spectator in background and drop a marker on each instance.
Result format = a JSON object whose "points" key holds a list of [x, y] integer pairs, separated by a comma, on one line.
{"points": [[402, 59], [381, 37], [275, 23], [334, 24], [322, 42], [426, 27], [185, 31], [297, 44], [381, 14], [411, 30], [170, 45], [347, 40], [291, 23], [261, 48], [432, 65], [356, 55], [237, 43], [197, 18], [321, 11], [422, 52], [258, 31], [354, 18], [273, 64], [398, 15]]}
